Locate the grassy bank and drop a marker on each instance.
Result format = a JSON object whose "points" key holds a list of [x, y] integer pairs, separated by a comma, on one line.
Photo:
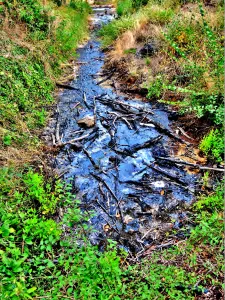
{"points": [[36, 43]]}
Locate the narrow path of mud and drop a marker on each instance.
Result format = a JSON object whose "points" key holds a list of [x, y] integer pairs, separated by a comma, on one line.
{"points": [[110, 149]]}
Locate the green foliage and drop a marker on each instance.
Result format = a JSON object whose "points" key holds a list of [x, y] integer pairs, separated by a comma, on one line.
{"points": [[79, 5], [36, 258], [156, 88], [111, 31], [209, 218], [70, 31], [157, 281], [211, 203], [25, 90], [213, 145], [124, 7], [39, 260], [31, 12], [203, 69]]}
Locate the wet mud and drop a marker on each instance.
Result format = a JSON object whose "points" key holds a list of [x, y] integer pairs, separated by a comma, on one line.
{"points": [[111, 150]]}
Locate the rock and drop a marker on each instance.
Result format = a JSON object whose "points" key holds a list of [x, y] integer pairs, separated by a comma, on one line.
{"points": [[88, 121], [147, 50]]}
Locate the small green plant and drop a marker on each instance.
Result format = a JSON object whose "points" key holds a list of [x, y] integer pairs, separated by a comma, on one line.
{"points": [[213, 145], [7, 139], [156, 88], [124, 7], [81, 6], [132, 51]]}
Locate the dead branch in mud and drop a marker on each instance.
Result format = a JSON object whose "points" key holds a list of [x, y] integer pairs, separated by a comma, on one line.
{"points": [[146, 144], [95, 109], [66, 86], [91, 159], [112, 193], [85, 100], [105, 79], [169, 175], [120, 117], [181, 162], [56, 138], [126, 108], [184, 133], [166, 131], [73, 140], [132, 150], [141, 109], [80, 62], [53, 140]]}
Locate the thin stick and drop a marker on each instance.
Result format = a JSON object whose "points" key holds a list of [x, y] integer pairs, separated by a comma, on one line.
{"points": [[57, 137], [184, 133], [73, 141], [91, 159], [181, 162], [53, 140], [111, 192], [65, 86], [85, 100]]}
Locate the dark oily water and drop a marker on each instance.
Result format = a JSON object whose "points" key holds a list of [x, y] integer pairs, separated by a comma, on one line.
{"points": [[111, 156]]}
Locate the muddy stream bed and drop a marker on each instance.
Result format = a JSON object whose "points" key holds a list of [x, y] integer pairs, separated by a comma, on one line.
{"points": [[114, 151]]}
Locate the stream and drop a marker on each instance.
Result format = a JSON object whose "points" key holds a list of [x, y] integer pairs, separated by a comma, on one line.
{"points": [[111, 151]]}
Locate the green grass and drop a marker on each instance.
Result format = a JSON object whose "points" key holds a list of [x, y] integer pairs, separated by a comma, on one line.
{"points": [[155, 13]]}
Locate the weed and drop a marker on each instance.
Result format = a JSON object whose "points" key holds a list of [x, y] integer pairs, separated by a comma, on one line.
{"points": [[156, 88], [213, 145]]}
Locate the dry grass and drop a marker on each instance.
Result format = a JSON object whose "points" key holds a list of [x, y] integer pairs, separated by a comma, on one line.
{"points": [[17, 157]]}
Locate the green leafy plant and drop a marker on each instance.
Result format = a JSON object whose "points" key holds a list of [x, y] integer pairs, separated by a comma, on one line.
{"points": [[213, 145], [156, 88]]}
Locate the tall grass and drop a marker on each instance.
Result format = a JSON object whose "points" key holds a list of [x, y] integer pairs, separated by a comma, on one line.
{"points": [[157, 14]]}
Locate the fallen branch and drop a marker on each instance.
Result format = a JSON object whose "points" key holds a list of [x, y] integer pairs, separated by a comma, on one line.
{"points": [[184, 133], [166, 131], [146, 144], [181, 162], [85, 100], [105, 79], [66, 86], [73, 141], [91, 159], [169, 175], [135, 107], [111, 192]]}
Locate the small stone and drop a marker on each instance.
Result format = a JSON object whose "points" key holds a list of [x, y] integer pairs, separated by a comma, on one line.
{"points": [[147, 50], [87, 121]]}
